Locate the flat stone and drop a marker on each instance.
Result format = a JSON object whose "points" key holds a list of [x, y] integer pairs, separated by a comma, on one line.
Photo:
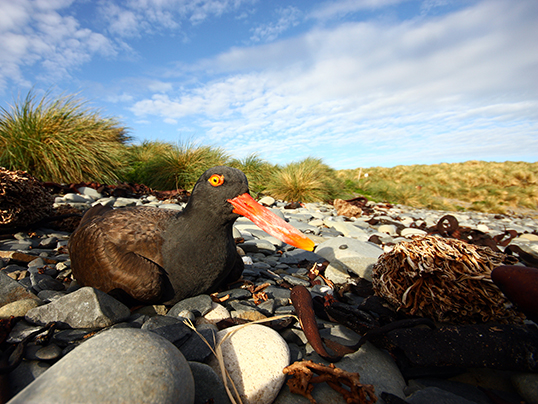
{"points": [[347, 254], [84, 308], [254, 357], [12, 291], [45, 353], [125, 365]]}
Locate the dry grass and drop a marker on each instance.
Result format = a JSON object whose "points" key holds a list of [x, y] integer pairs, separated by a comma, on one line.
{"points": [[474, 185]]}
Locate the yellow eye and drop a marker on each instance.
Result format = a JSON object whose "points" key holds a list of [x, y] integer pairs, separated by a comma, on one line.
{"points": [[216, 180]]}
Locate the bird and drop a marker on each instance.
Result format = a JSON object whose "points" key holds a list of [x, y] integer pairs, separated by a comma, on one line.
{"points": [[147, 255]]}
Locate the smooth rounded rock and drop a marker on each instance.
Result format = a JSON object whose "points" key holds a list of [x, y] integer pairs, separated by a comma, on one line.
{"points": [[526, 385], [117, 366], [18, 308], [358, 257], [254, 357]]}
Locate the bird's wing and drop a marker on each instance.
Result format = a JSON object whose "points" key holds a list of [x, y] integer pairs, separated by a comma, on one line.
{"points": [[121, 249]]}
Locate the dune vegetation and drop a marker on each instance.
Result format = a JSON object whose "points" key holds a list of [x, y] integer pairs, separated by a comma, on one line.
{"points": [[62, 140]]}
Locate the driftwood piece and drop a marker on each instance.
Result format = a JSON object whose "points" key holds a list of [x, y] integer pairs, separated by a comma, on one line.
{"points": [[346, 383]]}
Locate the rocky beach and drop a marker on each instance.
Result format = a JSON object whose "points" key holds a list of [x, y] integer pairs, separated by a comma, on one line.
{"points": [[64, 343]]}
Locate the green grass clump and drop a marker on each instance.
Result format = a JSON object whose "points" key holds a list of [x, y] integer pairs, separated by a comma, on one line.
{"points": [[177, 166], [61, 140], [309, 180], [257, 170]]}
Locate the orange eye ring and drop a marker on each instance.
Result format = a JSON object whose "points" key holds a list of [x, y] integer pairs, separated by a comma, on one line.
{"points": [[216, 180]]}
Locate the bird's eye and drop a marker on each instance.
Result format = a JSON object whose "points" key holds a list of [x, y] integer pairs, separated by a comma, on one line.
{"points": [[216, 180]]}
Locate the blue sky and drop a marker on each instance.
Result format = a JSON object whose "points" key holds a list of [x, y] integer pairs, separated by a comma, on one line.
{"points": [[358, 83]]}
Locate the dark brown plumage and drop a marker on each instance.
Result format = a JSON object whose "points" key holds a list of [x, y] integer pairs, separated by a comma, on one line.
{"points": [[155, 255]]}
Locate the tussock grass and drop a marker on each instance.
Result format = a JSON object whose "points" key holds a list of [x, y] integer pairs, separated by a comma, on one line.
{"points": [[309, 180], [257, 170], [178, 166], [474, 185], [61, 140]]}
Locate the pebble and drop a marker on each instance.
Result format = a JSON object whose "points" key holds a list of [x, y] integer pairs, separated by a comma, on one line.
{"points": [[117, 366], [42, 269], [254, 357]]}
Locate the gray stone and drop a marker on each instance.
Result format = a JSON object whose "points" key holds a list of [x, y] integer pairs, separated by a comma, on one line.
{"points": [[122, 202], [376, 367], [84, 308], [126, 365], [173, 329], [11, 291], [199, 305], [76, 198], [195, 348], [297, 255], [26, 373], [18, 308], [277, 293], [352, 255], [16, 245], [436, 395], [267, 201], [254, 246], [235, 294], [336, 275], [45, 353], [21, 330], [208, 385], [92, 193], [293, 280], [526, 385]]}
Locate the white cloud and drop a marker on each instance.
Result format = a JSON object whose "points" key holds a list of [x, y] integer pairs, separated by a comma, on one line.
{"points": [[36, 32], [339, 8], [138, 17], [451, 78], [287, 17]]}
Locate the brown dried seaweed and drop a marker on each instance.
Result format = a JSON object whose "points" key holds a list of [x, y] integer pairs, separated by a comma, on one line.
{"points": [[303, 379], [447, 280]]}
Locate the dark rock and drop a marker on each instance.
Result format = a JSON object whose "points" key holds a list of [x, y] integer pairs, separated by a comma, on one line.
{"points": [[85, 308], [170, 328], [199, 305], [235, 294], [436, 395], [195, 348], [26, 373], [503, 347], [208, 385]]}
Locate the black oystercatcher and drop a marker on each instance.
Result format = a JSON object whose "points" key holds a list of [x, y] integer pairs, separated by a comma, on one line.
{"points": [[156, 255]]}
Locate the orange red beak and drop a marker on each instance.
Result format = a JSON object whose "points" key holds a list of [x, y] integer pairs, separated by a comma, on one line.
{"points": [[246, 206]]}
